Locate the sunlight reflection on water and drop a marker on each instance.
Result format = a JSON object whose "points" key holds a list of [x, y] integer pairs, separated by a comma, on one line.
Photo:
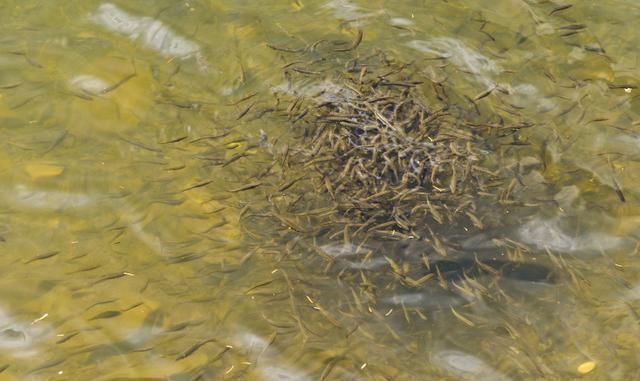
{"points": [[151, 33]]}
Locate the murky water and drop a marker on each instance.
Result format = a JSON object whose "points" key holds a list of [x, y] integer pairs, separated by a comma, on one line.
{"points": [[131, 250]]}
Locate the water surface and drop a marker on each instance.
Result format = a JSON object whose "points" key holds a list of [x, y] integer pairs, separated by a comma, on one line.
{"points": [[123, 251]]}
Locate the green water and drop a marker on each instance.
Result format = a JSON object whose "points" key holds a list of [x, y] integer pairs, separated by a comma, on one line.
{"points": [[128, 253]]}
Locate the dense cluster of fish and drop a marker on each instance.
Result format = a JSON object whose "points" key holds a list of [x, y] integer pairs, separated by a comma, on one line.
{"points": [[389, 154], [380, 179]]}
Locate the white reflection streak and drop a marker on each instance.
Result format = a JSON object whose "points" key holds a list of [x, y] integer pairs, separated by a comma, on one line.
{"points": [[40, 199], [344, 9], [277, 372], [56, 200], [89, 84], [483, 69], [460, 55], [153, 34], [466, 366], [133, 217], [548, 234]]}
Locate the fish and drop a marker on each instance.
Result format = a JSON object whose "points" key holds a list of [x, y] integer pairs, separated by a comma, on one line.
{"points": [[284, 49], [560, 8], [249, 186], [106, 315], [353, 45], [40, 257], [192, 349], [199, 184]]}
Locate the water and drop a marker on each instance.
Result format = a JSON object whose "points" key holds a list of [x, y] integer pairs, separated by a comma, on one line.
{"points": [[125, 255]]}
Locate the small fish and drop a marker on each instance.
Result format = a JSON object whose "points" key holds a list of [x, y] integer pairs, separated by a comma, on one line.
{"points": [[198, 185], [106, 315], [117, 84], [100, 304], [11, 85], [314, 46], [243, 99], [221, 353], [245, 111], [284, 49], [47, 365], [185, 258], [560, 8], [246, 187], [57, 142], [462, 318], [140, 145], [303, 71], [619, 193], [475, 220], [180, 326], [353, 45], [210, 137], [419, 282], [84, 269], [401, 83], [135, 305], [43, 256], [174, 140], [573, 27], [67, 337], [235, 157], [329, 367], [484, 94], [112, 276], [616, 186], [189, 351], [292, 63]]}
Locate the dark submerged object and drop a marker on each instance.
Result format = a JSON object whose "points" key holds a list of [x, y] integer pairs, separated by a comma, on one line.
{"points": [[522, 271]]}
